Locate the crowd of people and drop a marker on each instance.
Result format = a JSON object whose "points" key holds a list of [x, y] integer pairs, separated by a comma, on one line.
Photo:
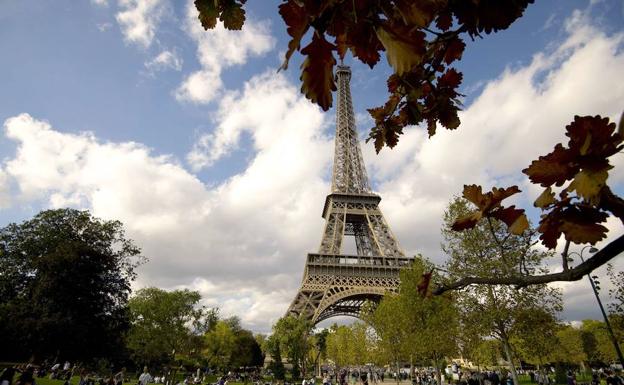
{"points": [[27, 375]]}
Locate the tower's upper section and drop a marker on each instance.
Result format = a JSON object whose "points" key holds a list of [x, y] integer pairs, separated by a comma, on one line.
{"points": [[349, 176]]}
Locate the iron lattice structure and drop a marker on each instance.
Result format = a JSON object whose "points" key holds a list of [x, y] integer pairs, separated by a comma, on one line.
{"points": [[336, 284]]}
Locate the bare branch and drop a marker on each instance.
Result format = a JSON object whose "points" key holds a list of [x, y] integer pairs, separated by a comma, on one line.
{"points": [[607, 253], [564, 256]]}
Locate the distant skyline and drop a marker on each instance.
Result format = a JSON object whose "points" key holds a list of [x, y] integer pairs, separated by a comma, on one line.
{"points": [[218, 166]]}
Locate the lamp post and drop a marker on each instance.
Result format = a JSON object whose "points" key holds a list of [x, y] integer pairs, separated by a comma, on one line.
{"points": [[604, 314]]}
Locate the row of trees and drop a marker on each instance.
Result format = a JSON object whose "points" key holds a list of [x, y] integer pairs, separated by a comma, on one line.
{"points": [[65, 294]]}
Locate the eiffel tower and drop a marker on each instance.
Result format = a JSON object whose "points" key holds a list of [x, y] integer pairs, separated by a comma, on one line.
{"points": [[335, 284]]}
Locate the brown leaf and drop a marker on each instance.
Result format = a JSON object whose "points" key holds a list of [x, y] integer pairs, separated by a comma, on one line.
{"points": [[233, 16], [550, 229], [467, 221], [454, 50], [317, 74], [444, 20], [554, 168], [208, 13], [581, 224], [514, 218]]}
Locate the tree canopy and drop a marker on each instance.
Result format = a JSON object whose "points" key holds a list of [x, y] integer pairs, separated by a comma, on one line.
{"points": [[64, 285]]}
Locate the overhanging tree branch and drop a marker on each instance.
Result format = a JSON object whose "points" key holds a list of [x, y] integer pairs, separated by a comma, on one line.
{"points": [[607, 253]]}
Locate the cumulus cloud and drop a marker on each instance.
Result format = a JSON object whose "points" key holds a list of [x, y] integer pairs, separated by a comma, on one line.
{"points": [[138, 20], [242, 243], [101, 3], [163, 61], [219, 49], [517, 117]]}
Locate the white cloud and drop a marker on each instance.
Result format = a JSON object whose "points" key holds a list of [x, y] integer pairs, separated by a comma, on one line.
{"points": [[218, 49], [103, 27], [101, 3], [164, 60], [243, 242], [138, 20]]}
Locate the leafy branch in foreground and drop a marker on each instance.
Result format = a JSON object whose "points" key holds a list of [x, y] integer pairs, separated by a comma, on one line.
{"points": [[577, 212], [421, 40]]}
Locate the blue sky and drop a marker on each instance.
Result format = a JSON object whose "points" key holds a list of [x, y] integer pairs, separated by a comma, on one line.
{"points": [[223, 189]]}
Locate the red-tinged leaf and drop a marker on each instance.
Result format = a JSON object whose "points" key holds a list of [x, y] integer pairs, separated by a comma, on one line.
{"points": [[488, 16], [466, 222], [317, 74], [581, 224], [364, 43], [444, 20], [394, 81], [448, 117], [593, 136], [208, 13], [454, 50], [554, 168], [233, 15], [550, 229], [404, 47], [425, 282], [488, 201], [514, 218], [296, 19], [450, 79], [341, 45]]}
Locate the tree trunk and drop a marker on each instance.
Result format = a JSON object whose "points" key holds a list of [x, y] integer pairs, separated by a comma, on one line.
{"points": [[512, 367]]}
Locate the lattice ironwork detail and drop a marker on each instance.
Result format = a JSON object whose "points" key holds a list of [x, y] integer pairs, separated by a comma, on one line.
{"points": [[333, 283]]}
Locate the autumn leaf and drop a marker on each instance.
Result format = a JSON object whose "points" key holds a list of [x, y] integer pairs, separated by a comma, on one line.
{"points": [[208, 13], [233, 15], [404, 47], [581, 224], [418, 13], [514, 218], [444, 21], [467, 221], [546, 198], [588, 183], [454, 50], [296, 20], [317, 71], [554, 168]]}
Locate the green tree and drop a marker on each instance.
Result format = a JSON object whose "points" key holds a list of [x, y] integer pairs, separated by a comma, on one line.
{"points": [[219, 345], [273, 350], [64, 285], [597, 342], [339, 342], [569, 347], [165, 323], [496, 311], [292, 334]]}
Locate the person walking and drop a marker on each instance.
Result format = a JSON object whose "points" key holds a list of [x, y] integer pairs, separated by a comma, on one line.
{"points": [[145, 378]]}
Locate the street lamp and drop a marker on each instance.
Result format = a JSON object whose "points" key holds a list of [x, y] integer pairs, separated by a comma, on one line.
{"points": [[595, 288]]}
